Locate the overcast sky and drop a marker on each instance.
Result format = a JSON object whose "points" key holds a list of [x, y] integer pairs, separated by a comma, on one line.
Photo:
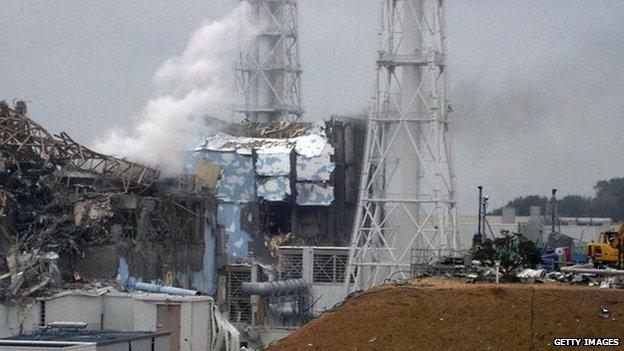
{"points": [[537, 87]]}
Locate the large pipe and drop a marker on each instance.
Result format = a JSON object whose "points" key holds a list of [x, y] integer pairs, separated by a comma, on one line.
{"points": [[124, 279], [278, 288], [164, 289], [614, 272]]}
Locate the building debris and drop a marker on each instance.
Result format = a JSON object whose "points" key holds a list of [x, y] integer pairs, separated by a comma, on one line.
{"points": [[69, 215], [22, 139], [606, 272], [58, 200]]}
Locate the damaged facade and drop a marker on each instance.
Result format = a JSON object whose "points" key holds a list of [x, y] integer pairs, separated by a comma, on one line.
{"points": [[87, 210], [272, 187], [279, 184], [72, 217]]}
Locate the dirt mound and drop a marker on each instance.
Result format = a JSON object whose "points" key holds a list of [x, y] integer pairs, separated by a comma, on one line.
{"points": [[445, 315]]}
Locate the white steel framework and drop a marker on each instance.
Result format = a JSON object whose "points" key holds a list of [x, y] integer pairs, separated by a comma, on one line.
{"points": [[407, 194], [268, 72]]}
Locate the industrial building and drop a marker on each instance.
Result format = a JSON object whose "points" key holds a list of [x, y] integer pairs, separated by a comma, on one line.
{"points": [[273, 221], [181, 322], [247, 191]]}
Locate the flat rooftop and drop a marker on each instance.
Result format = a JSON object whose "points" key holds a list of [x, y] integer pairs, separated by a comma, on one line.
{"points": [[98, 337]]}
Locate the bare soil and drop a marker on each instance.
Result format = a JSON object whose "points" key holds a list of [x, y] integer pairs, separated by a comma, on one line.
{"points": [[444, 314]]}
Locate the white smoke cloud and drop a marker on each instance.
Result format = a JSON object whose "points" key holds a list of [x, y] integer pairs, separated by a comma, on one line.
{"points": [[189, 86]]}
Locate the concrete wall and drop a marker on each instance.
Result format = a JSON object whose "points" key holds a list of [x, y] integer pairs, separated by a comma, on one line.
{"points": [[195, 326], [119, 313], [326, 296], [72, 308], [15, 320], [195, 319], [144, 315], [116, 311]]}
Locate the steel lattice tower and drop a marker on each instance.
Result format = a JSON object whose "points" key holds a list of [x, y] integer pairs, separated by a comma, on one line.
{"points": [[407, 196], [267, 68]]}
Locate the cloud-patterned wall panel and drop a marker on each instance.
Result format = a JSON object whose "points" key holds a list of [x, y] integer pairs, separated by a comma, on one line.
{"points": [[274, 188], [273, 164], [229, 217], [236, 183], [310, 194]]}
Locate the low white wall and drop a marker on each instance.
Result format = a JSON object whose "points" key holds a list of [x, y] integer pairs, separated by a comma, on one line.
{"points": [[195, 318], [144, 315], [116, 311], [75, 308], [195, 328], [326, 296], [15, 319]]}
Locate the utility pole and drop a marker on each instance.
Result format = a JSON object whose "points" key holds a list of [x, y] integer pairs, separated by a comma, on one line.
{"points": [[480, 219], [555, 223], [268, 73], [407, 199]]}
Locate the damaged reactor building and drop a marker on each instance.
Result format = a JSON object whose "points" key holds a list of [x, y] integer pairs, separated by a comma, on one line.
{"points": [[250, 241], [259, 221]]}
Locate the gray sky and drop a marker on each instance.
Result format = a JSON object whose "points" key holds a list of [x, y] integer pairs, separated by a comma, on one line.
{"points": [[536, 86]]}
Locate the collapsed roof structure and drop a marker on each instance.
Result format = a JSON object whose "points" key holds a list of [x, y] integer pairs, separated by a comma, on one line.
{"points": [[59, 199], [23, 139], [71, 217]]}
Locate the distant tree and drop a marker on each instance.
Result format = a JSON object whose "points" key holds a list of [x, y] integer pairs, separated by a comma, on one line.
{"points": [[575, 206], [609, 199], [608, 202]]}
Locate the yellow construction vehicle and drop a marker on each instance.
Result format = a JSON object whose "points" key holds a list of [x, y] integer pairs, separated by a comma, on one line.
{"points": [[610, 249]]}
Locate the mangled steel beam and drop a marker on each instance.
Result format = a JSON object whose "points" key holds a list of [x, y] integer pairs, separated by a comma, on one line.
{"points": [[129, 174], [23, 139]]}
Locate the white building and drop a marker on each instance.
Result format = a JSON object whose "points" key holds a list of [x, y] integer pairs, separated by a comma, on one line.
{"points": [[193, 322]]}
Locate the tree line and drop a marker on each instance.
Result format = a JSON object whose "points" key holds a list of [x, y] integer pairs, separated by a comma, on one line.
{"points": [[608, 201]]}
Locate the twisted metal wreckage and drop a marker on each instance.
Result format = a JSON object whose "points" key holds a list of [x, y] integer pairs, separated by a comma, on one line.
{"points": [[57, 196]]}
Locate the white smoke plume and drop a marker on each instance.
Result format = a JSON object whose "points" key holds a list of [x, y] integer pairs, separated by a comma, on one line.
{"points": [[189, 86]]}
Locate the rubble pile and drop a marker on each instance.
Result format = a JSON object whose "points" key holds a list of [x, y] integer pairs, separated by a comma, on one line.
{"points": [[568, 275], [56, 196]]}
